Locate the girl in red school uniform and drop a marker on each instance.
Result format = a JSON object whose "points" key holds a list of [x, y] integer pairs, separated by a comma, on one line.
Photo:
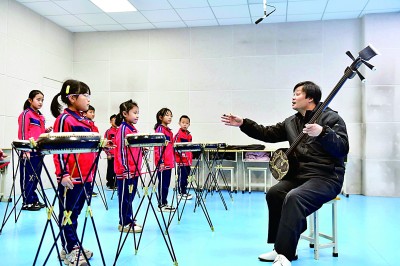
{"points": [[31, 124], [166, 160], [76, 95], [127, 165]]}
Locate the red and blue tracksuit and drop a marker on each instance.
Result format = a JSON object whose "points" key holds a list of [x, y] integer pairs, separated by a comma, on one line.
{"points": [[110, 136], [183, 160], [127, 165], [66, 165], [31, 124], [167, 160]]}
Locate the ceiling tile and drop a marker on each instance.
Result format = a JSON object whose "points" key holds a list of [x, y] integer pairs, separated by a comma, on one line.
{"points": [[108, 27], [304, 17], [234, 21], [79, 6], [66, 20], [196, 13], [80, 29], [30, 1], [231, 11], [306, 7], [46, 8], [382, 4], [342, 15], [150, 5], [128, 17], [201, 22], [227, 2], [170, 24], [139, 26], [188, 4], [96, 19], [345, 6], [161, 15]]}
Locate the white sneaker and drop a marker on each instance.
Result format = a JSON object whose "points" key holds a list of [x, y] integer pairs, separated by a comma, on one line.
{"points": [[63, 255], [281, 260], [185, 196], [269, 256], [165, 208], [72, 258], [135, 229]]}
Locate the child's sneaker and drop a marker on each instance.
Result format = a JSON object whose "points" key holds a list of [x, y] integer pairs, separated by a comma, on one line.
{"points": [[63, 255], [30, 207], [73, 260], [165, 208], [186, 196], [136, 228]]}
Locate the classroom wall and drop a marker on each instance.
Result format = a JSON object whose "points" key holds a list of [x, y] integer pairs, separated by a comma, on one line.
{"points": [[380, 107], [248, 70], [31, 48]]}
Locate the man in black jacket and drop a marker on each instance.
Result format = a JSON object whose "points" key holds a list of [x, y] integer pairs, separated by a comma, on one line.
{"points": [[319, 172]]}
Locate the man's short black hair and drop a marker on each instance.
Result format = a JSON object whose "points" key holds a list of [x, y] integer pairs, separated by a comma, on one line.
{"points": [[113, 116], [311, 90]]}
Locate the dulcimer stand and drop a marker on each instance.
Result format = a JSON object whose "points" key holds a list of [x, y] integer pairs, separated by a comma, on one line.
{"points": [[64, 145], [20, 148], [193, 180], [144, 142]]}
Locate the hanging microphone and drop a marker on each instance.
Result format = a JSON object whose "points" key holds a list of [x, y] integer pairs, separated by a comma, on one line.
{"points": [[265, 12]]}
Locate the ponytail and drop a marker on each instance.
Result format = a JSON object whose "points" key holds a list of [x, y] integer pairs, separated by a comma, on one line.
{"points": [[118, 119], [69, 88], [27, 104], [55, 106]]}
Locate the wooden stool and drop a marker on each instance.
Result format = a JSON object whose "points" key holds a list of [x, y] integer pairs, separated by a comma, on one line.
{"points": [[314, 234]]}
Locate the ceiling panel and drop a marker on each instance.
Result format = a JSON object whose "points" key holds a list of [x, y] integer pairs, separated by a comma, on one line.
{"points": [[163, 15], [47, 8], [188, 4], [196, 13], [307, 7], [128, 17], [78, 6], [231, 11], [96, 19], [83, 15]]}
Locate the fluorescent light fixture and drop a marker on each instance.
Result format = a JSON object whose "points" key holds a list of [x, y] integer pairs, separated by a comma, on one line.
{"points": [[110, 6]]}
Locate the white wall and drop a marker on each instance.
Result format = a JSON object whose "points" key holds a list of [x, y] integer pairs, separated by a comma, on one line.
{"points": [[381, 111], [31, 48], [204, 72]]}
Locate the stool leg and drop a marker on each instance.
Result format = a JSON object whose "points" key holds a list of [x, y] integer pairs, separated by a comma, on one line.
{"points": [[250, 181], [316, 236], [265, 182], [334, 229]]}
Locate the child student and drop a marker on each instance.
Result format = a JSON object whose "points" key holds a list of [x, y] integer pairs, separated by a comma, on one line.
{"points": [[183, 159], [31, 124], [166, 161], [76, 95], [90, 114], [127, 165], [110, 136]]}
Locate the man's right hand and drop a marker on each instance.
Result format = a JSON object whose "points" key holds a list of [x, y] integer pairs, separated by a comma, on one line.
{"points": [[232, 120]]}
